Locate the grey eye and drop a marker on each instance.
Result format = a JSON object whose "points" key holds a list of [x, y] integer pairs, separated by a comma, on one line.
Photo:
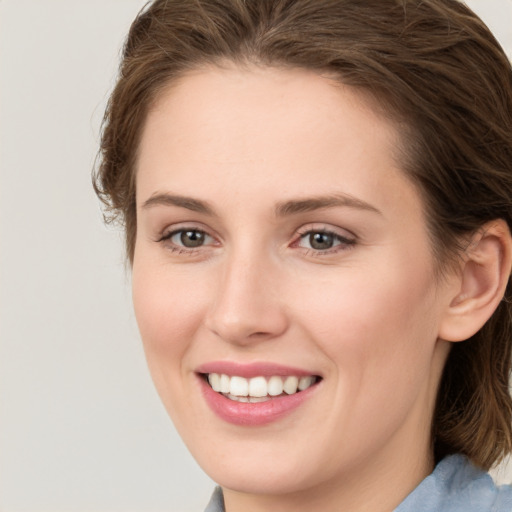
{"points": [[324, 241], [189, 238], [321, 241]]}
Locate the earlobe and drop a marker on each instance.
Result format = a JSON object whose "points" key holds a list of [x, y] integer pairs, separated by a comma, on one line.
{"points": [[480, 286]]}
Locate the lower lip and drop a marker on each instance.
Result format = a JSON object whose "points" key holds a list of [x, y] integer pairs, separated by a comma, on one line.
{"points": [[253, 414]]}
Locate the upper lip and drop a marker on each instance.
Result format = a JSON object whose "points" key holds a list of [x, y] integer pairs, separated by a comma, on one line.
{"points": [[255, 369]]}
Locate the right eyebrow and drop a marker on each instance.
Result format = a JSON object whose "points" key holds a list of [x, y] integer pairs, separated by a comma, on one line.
{"points": [[165, 199]]}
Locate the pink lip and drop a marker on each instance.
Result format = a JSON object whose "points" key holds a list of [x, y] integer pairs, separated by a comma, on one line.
{"points": [[252, 369], [252, 414]]}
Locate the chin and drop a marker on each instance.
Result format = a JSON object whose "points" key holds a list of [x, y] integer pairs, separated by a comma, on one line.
{"points": [[261, 479], [263, 467]]}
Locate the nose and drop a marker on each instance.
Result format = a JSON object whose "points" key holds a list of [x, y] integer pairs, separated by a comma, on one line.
{"points": [[247, 305]]}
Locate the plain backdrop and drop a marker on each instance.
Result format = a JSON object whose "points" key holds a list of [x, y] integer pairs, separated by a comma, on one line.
{"points": [[81, 427]]}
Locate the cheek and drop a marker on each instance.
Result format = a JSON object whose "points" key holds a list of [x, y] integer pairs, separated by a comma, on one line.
{"points": [[168, 311], [376, 325], [380, 340]]}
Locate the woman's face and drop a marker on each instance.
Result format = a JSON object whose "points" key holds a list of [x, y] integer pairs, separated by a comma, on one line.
{"points": [[279, 245]]}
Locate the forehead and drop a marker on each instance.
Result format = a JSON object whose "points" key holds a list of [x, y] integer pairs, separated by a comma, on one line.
{"points": [[260, 100], [266, 131]]}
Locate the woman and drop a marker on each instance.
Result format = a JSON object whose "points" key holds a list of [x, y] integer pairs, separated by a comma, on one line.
{"points": [[317, 203]]}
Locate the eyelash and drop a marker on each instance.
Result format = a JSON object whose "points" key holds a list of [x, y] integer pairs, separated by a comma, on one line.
{"points": [[179, 249], [342, 243]]}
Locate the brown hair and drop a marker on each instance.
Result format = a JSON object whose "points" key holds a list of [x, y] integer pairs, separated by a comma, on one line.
{"points": [[432, 65]]}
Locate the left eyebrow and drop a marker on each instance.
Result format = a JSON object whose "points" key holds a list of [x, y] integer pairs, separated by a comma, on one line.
{"points": [[296, 206]]}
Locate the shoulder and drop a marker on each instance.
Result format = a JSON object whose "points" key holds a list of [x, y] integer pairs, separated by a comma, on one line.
{"points": [[458, 486], [216, 503]]}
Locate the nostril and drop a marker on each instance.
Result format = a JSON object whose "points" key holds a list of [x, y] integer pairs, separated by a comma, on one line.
{"points": [[259, 334]]}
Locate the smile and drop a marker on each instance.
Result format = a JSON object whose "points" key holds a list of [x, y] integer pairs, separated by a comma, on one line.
{"points": [[258, 389], [255, 394]]}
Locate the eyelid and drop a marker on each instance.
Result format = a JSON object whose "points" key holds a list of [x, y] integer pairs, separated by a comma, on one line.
{"points": [[172, 234], [166, 235], [326, 228], [345, 238], [172, 229]]}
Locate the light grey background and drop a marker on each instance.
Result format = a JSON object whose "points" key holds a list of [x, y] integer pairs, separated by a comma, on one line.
{"points": [[81, 428]]}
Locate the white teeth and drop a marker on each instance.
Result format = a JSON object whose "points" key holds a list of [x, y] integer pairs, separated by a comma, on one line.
{"points": [[239, 386], [250, 399], [275, 386], [256, 399], [214, 381], [224, 383], [258, 389], [304, 382], [290, 385]]}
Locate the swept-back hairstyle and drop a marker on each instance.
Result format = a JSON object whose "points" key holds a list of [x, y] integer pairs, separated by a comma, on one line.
{"points": [[432, 67]]}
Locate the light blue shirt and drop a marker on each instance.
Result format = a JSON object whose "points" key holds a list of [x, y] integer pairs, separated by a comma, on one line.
{"points": [[454, 486]]}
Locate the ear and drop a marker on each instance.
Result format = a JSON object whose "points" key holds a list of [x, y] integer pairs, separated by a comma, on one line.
{"points": [[479, 287]]}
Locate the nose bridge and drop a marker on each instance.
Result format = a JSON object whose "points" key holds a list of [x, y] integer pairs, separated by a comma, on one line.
{"points": [[247, 305]]}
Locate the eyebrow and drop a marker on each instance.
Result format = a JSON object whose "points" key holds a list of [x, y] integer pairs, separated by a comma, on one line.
{"points": [[181, 201], [283, 209], [294, 207]]}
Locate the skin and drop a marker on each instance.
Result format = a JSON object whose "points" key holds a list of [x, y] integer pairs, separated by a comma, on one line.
{"points": [[365, 315]]}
